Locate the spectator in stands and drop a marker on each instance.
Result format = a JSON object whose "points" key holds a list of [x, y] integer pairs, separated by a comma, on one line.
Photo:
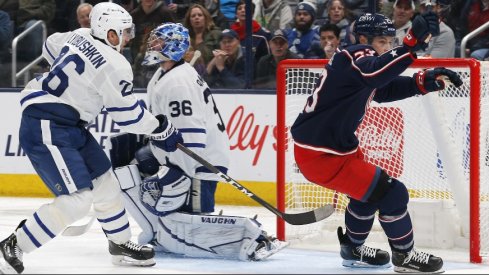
{"points": [[148, 15], [226, 69], [443, 45], [214, 8], [304, 34], [128, 5], [403, 11], [26, 15], [6, 33], [204, 35], [329, 40], [180, 8], [477, 12], [273, 14], [266, 69], [228, 8], [339, 15], [64, 17], [83, 15], [260, 35]]}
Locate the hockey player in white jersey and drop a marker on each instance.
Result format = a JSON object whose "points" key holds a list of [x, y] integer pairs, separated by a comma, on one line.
{"points": [[174, 202], [87, 73]]}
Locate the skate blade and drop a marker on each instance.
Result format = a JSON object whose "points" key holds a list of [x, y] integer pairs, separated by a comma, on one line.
{"points": [[263, 254], [358, 264], [399, 269], [128, 261], [6, 268]]}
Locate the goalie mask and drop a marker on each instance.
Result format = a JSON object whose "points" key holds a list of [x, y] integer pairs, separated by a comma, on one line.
{"points": [[166, 191], [168, 41], [108, 16]]}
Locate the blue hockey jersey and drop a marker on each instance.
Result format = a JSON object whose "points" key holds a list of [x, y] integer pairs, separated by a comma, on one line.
{"points": [[352, 78]]}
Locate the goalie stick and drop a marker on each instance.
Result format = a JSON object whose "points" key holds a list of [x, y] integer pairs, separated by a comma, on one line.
{"points": [[291, 218]]}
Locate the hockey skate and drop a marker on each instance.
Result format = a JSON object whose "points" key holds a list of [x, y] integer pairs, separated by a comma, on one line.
{"points": [[131, 254], [267, 246], [11, 256], [416, 262], [361, 256]]}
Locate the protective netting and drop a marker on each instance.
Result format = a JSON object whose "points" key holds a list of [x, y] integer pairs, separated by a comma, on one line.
{"points": [[423, 141]]}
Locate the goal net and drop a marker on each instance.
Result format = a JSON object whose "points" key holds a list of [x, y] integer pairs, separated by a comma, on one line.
{"points": [[437, 145]]}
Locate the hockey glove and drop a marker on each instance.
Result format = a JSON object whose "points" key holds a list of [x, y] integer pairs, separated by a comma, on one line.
{"points": [[436, 79], [166, 136], [423, 26]]}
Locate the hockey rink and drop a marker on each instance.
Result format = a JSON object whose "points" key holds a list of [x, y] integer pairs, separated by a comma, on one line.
{"points": [[88, 253]]}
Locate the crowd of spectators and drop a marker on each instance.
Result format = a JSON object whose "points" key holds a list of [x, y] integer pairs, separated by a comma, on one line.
{"points": [[281, 29]]}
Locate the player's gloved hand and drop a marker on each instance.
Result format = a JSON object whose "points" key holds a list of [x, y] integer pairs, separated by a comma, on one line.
{"points": [[166, 136], [436, 79], [423, 25]]}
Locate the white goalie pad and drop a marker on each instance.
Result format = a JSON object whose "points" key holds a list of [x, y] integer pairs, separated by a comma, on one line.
{"points": [[212, 236], [128, 176]]}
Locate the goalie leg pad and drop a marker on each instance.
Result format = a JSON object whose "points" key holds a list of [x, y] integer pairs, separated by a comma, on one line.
{"points": [[212, 236]]}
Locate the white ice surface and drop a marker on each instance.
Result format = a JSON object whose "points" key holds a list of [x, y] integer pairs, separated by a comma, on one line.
{"points": [[88, 254]]}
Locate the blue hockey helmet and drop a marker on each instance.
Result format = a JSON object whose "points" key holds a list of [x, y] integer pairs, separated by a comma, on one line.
{"points": [[168, 41], [372, 25]]}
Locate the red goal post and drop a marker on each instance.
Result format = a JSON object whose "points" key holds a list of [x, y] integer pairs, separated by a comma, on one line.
{"points": [[446, 132]]}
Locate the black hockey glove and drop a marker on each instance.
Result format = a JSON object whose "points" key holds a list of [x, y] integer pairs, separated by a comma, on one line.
{"points": [[166, 136], [423, 25], [436, 79]]}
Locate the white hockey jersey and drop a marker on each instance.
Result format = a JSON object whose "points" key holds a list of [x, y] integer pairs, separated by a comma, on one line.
{"points": [[89, 75], [184, 97]]}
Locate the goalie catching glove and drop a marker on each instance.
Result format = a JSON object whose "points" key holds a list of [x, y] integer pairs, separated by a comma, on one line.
{"points": [[166, 191], [166, 136], [436, 79], [423, 26]]}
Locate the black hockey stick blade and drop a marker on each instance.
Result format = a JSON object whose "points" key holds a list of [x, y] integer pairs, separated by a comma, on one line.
{"points": [[311, 216]]}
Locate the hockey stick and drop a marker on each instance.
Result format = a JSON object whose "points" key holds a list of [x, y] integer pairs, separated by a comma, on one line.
{"points": [[196, 56], [296, 218], [77, 230]]}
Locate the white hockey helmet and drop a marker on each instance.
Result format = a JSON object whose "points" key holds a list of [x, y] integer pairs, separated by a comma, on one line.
{"points": [[106, 16]]}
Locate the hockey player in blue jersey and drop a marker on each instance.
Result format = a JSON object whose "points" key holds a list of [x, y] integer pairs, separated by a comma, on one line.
{"points": [[87, 73], [173, 200], [326, 148]]}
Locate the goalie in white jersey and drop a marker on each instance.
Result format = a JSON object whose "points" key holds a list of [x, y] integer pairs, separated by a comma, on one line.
{"points": [[87, 73], [174, 201]]}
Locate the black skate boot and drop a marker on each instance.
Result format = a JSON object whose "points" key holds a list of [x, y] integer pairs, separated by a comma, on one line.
{"points": [[361, 256], [11, 256], [267, 246], [416, 262], [131, 254]]}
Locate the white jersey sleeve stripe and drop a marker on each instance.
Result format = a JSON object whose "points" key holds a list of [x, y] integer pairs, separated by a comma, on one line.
{"points": [[128, 109], [32, 95], [49, 54]]}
